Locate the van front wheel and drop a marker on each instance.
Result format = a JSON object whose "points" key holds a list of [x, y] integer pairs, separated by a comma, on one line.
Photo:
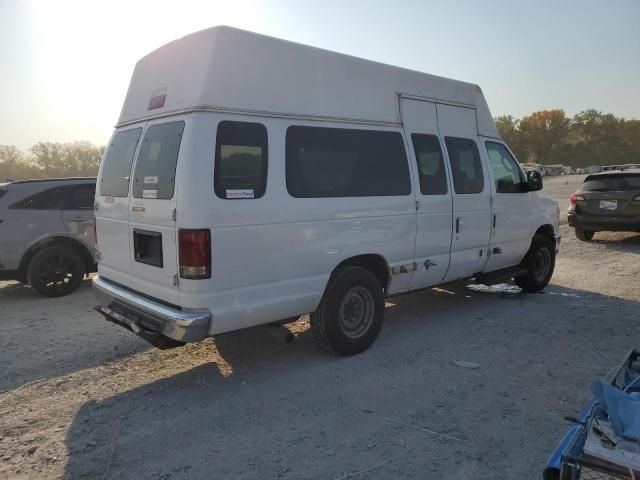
{"points": [[349, 317], [539, 262]]}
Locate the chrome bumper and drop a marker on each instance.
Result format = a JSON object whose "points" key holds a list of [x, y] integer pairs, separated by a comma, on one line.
{"points": [[146, 317]]}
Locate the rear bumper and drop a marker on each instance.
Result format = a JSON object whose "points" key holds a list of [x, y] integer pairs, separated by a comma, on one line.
{"points": [[148, 318], [610, 224], [557, 238]]}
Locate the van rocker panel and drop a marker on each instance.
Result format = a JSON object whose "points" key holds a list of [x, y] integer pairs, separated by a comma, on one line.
{"points": [[179, 325]]}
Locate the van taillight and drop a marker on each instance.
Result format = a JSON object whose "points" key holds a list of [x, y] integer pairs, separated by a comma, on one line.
{"points": [[195, 253]]}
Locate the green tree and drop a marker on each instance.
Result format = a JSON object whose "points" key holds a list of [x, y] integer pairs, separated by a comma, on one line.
{"points": [[544, 131], [509, 129]]}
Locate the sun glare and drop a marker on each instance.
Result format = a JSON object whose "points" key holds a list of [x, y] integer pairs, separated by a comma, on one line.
{"points": [[86, 52]]}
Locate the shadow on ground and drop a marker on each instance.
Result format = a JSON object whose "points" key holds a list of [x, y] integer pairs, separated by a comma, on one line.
{"points": [[272, 409]]}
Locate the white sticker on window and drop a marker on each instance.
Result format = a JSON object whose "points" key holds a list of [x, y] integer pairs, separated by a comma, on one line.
{"points": [[151, 180], [149, 193], [240, 194]]}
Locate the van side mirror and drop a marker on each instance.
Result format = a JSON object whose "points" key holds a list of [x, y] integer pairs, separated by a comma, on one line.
{"points": [[534, 181]]}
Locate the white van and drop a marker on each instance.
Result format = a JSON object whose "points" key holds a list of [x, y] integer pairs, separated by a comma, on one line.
{"points": [[251, 180]]}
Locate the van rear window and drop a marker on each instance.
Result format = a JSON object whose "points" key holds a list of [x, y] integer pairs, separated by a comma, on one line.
{"points": [[116, 170], [337, 162], [612, 183], [241, 160], [155, 174]]}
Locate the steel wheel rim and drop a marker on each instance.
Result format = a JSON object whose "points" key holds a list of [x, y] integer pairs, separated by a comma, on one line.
{"points": [[356, 312], [542, 264]]}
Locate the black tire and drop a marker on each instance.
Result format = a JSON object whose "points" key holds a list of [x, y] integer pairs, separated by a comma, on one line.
{"points": [[349, 317], [56, 271], [539, 262], [584, 235]]}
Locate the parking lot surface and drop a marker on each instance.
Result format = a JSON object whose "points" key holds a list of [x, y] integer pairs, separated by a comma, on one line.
{"points": [[82, 398]]}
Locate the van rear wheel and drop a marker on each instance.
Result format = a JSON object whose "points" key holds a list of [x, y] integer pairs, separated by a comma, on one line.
{"points": [[349, 317], [56, 271]]}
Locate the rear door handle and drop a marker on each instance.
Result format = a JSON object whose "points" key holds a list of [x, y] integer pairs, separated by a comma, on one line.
{"points": [[458, 225], [494, 220]]}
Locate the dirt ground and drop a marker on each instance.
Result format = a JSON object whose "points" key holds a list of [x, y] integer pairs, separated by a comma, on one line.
{"points": [[82, 398]]}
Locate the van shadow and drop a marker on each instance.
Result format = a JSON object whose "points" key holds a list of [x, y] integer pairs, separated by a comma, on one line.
{"points": [[629, 243], [44, 337], [271, 409]]}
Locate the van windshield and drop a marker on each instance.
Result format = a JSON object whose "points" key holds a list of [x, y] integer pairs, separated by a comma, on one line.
{"points": [[156, 165], [114, 181]]}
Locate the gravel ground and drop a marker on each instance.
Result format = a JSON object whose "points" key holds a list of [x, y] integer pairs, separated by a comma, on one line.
{"points": [[82, 398]]}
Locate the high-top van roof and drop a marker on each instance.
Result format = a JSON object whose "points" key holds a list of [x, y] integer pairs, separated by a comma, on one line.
{"points": [[223, 68]]}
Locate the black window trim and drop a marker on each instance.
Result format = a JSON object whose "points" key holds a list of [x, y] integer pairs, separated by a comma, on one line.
{"points": [[521, 174], [265, 154], [444, 165], [401, 133]]}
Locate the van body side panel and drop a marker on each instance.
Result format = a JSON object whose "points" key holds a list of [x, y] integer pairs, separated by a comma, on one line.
{"points": [[272, 256]]}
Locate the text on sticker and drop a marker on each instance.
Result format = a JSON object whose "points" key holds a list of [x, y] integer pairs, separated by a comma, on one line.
{"points": [[240, 194]]}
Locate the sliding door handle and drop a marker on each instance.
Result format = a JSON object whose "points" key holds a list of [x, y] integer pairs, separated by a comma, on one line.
{"points": [[494, 220], [458, 225]]}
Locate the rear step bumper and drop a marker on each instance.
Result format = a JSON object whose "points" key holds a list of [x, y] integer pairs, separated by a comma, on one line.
{"points": [[147, 318]]}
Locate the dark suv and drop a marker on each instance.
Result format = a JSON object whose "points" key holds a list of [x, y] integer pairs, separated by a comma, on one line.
{"points": [[47, 235], [606, 201]]}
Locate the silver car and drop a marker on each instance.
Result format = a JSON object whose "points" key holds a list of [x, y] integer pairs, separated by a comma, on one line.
{"points": [[47, 234]]}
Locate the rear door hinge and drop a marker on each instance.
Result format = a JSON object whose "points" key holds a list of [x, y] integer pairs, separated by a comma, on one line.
{"points": [[176, 280], [174, 214]]}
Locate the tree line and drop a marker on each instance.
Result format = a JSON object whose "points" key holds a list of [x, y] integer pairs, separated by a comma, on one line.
{"points": [[546, 137], [588, 138], [50, 160]]}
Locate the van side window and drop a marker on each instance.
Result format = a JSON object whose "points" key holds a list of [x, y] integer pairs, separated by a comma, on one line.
{"points": [[241, 160], [433, 178], [155, 175], [116, 169], [336, 162], [506, 173], [466, 166]]}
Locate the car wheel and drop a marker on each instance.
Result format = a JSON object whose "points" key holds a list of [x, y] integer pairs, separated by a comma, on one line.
{"points": [[584, 235], [56, 271], [539, 262], [349, 317]]}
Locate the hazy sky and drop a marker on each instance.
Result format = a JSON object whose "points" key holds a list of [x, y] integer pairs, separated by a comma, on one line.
{"points": [[65, 65]]}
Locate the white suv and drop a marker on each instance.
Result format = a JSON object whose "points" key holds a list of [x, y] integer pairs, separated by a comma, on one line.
{"points": [[251, 180]]}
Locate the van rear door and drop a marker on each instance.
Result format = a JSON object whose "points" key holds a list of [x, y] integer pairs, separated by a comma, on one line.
{"points": [[153, 210], [112, 205]]}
